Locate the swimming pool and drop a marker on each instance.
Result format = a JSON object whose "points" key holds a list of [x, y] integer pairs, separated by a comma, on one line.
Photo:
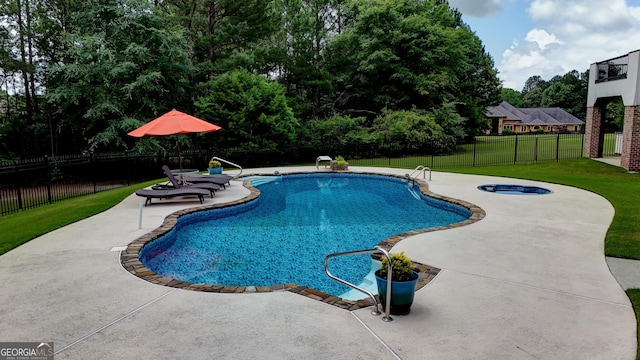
{"points": [[283, 236]]}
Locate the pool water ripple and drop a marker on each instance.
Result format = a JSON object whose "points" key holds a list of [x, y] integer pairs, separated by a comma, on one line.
{"points": [[285, 234]]}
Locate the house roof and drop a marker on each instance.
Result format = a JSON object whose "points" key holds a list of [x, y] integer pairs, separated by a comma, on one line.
{"points": [[533, 116]]}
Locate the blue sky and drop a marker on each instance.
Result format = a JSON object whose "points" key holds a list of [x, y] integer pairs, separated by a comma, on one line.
{"points": [[551, 37]]}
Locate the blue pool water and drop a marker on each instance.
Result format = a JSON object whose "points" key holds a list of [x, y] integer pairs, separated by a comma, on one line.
{"points": [[285, 234]]}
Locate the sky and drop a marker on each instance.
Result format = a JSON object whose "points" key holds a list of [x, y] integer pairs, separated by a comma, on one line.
{"points": [[551, 37]]}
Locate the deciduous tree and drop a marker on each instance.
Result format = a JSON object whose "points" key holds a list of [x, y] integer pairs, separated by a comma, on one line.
{"points": [[123, 67], [404, 54], [251, 109]]}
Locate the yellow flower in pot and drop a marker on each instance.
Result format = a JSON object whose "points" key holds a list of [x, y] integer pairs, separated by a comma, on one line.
{"points": [[403, 283], [215, 167]]}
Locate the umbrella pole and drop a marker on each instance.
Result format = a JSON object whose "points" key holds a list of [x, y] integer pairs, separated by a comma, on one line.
{"points": [[179, 153]]}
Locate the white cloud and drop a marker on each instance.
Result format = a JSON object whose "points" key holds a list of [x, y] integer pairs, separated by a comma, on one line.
{"points": [[476, 8], [568, 35], [542, 38]]}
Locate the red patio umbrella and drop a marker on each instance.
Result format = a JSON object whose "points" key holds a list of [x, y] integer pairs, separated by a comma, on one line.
{"points": [[173, 123]]}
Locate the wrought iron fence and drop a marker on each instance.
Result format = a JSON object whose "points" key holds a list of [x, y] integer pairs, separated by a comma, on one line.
{"points": [[29, 183]]}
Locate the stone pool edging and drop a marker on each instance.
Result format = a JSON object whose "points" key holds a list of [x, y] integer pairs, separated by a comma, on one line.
{"points": [[131, 263]]}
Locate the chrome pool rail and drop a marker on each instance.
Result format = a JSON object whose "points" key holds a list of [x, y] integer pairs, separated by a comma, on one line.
{"points": [[419, 169], [228, 162], [376, 310]]}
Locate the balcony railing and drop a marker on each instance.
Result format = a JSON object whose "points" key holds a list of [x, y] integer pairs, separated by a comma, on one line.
{"points": [[614, 69]]}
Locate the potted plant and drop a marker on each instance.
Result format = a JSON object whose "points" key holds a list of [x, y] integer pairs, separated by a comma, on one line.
{"points": [[339, 164], [403, 283], [215, 167]]}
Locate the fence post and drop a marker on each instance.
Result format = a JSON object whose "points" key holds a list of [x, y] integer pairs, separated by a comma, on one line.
{"points": [[94, 170], [515, 151], [126, 162], [47, 170], [558, 148], [535, 150], [475, 141], [18, 187]]}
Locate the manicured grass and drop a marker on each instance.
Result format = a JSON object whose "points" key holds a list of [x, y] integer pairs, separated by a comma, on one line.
{"points": [[614, 183], [18, 228], [634, 295], [497, 150]]}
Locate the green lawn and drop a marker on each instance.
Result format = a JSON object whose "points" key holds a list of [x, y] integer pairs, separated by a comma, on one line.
{"points": [[634, 295], [494, 150], [21, 227]]}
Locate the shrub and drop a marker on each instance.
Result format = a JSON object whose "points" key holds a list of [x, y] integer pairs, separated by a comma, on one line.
{"points": [[412, 131], [401, 267]]}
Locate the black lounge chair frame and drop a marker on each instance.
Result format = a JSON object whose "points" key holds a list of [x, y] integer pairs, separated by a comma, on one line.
{"points": [[176, 184], [219, 179], [169, 193]]}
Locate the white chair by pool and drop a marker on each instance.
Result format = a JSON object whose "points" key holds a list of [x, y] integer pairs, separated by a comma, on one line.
{"points": [[323, 158]]}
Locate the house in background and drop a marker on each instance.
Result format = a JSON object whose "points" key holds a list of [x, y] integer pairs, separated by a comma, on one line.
{"points": [[526, 120]]}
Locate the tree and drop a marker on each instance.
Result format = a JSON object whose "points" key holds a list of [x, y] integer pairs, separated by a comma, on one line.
{"points": [[568, 92], [251, 110], [335, 132], [226, 34], [118, 73], [532, 83], [533, 97], [513, 97], [19, 61], [307, 27], [412, 132], [614, 118], [404, 54]]}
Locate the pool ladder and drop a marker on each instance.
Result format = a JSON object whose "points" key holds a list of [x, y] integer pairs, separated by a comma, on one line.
{"points": [[419, 169], [228, 162], [375, 310]]}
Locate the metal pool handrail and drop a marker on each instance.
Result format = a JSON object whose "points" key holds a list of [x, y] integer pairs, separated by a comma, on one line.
{"points": [[376, 311], [420, 169], [228, 162]]}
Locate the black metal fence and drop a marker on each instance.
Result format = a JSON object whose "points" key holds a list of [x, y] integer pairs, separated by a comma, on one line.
{"points": [[29, 183]]}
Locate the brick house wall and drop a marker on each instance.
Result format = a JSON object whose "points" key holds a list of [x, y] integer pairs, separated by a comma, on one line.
{"points": [[630, 158]]}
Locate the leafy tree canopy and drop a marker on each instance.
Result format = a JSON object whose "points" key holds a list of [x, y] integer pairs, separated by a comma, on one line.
{"points": [[513, 97], [568, 92], [124, 66], [412, 131], [251, 109], [404, 54], [336, 131]]}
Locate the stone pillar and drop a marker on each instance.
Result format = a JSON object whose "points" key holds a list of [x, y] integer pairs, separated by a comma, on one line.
{"points": [[592, 132], [630, 158]]}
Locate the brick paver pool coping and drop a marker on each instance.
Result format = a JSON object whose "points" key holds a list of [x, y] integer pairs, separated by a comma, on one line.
{"points": [[131, 262]]}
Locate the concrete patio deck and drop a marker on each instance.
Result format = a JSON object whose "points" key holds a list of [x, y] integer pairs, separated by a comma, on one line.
{"points": [[529, 281]]}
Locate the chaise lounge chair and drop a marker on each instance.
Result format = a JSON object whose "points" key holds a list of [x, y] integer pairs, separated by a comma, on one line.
{"points": [[169, 193], [176, 184], [320, 159], [218, 179]]}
